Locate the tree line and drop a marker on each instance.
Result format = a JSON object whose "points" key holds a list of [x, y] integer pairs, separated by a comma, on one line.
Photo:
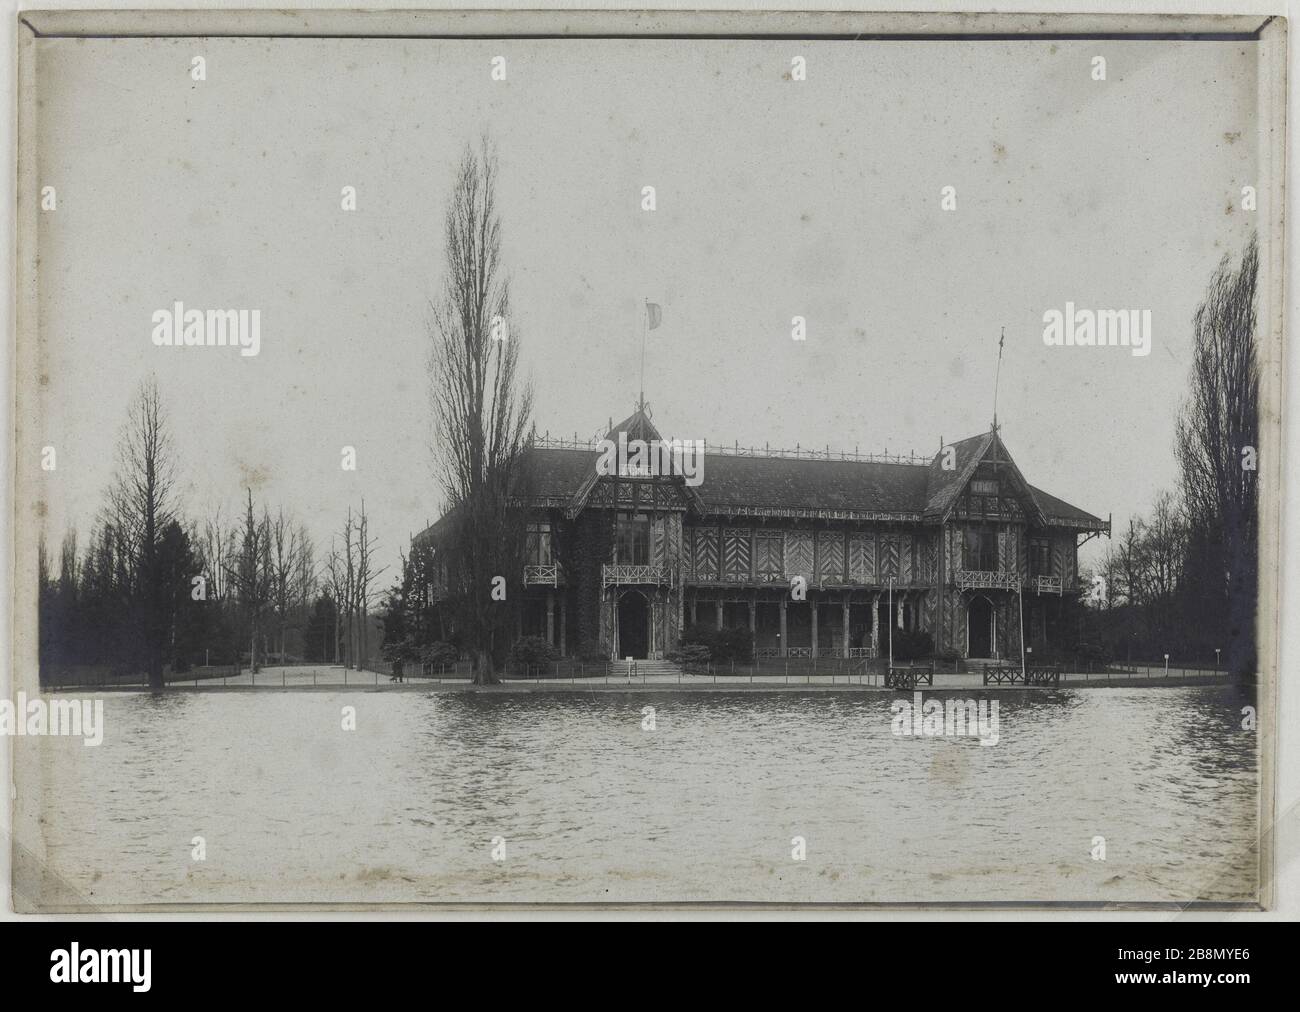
{"points": [[153, 590], [1183, 579]]}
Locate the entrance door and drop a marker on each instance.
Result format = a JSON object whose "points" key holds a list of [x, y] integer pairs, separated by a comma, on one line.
{"points": [[633, 625], [979, 628]]}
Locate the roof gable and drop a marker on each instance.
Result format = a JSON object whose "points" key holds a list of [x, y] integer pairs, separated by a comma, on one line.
{"points": [[948, 484], [564, 476], [945, 484], [637, 426]]}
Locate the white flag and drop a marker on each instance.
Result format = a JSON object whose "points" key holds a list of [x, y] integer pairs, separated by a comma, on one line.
{"points": [[654, 314]]}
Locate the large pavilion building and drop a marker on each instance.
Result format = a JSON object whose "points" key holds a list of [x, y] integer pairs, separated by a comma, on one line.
{"points": [[817, 554]]}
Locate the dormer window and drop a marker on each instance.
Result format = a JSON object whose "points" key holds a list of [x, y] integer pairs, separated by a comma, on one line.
{"points": [[983, 486]]}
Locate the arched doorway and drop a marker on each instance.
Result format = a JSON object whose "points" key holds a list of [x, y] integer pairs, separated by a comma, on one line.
{"points": [[633, 625], [979, 628]]}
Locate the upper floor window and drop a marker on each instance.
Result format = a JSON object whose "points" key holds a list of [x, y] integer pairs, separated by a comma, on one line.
{"points": [[539, 545], [632, 544], [984, 486], [980, 549], [1040, 558]]}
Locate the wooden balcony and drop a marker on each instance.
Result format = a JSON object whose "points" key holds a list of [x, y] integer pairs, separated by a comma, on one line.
{"points": [[544, 576], [974, 579], [618, 574], [978, 579]]}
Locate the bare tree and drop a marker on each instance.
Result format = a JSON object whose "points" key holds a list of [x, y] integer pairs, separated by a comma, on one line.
{"points": [[480, 415], [284, 548], [1217, 442], [250, 574], [336, 577], [367, 576], [140, 506], [306, 575], [215, 544]]}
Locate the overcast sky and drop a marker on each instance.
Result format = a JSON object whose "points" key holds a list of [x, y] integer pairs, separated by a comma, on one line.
{"points": [[776, 199]]}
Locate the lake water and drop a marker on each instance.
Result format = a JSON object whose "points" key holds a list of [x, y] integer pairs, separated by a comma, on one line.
{"points": [[591, 807]]}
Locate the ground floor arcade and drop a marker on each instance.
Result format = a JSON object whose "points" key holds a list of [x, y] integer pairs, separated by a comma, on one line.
{"points": [[648, 621]]}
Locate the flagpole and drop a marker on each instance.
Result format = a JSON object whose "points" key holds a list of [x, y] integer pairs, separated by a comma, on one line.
{"points": [[997, 378], [645, 314], [1022, 632]]}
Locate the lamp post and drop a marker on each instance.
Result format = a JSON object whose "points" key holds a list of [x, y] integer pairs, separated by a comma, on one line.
{"points": [[1216, 660], [1021, 603], [1166, 665]]}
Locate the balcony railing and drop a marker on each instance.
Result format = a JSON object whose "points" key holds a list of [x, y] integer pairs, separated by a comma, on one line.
{"points": [[543, 576], [977, 579], [621, 573]]}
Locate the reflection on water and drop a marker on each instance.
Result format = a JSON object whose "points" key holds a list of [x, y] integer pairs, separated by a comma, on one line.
{"points": [[593, 808]]}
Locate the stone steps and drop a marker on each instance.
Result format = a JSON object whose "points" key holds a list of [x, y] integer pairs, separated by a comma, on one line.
{"points": [[645, 668]]}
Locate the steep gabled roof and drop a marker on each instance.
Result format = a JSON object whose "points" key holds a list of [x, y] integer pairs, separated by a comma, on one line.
{"points": [[945, 485], [739, 484], [1061, 511], [733, 483], [637, 426]]}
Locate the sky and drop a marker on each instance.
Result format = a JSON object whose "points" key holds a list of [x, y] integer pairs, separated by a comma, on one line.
{"points": [[775, 198]]}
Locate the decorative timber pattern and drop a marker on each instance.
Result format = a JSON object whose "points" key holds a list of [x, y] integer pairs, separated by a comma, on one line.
{"points": [[889, 557], [706, 554], [769, 555], [671, 535], [830, 556], [1008, 551], [735, 554], [862, 558], [930, 571], [799, 554], [1061, 557]]}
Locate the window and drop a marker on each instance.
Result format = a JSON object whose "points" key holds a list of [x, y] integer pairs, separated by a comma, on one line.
{"points": [[1040, 558], [632, 545], [980, 549], [982, 486], [539, 544]]}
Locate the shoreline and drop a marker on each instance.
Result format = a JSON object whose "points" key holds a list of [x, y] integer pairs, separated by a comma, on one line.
{"points": [[542, 686]]}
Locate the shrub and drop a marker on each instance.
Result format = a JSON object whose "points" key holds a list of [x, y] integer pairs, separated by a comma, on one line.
{"points": [[439, 654], [724, 645], [532, 650], [396, 651], [910, 645], [692, 656]]}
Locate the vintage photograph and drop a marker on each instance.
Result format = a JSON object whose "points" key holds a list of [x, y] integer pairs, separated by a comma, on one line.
{"points": [[669, 465]]}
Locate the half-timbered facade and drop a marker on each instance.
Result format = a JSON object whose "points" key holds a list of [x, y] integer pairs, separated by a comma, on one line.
{"points": [[959, 545]]}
